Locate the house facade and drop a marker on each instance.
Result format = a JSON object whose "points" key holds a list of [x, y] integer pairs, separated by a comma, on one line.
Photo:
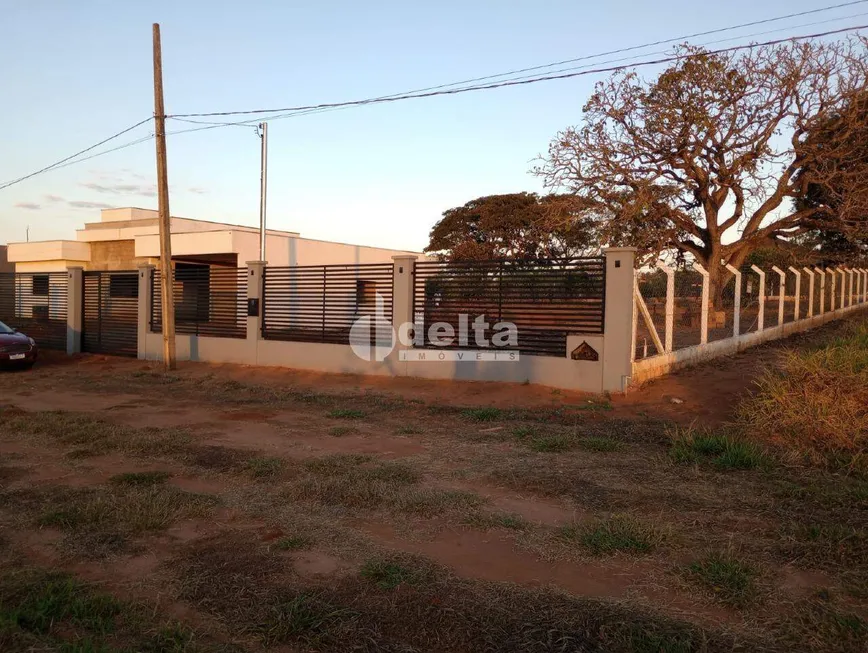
{"points": [[125, 238]]}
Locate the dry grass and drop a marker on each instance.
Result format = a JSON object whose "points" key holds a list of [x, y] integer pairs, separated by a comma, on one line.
{"points": [[402, 603], [361, 483], [815, 407]]}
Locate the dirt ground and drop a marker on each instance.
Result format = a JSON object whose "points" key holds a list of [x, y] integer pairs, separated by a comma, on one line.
{"points": [[247, 508]]}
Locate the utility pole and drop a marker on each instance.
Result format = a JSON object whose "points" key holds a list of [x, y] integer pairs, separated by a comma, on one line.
{"points": [[167, 294], [263, 187]]}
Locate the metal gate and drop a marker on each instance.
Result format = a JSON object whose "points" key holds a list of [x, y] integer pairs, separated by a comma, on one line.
{"points": [[111, 313]]}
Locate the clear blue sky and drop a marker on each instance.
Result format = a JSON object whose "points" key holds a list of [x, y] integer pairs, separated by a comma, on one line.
{"points": [[73, 73]]}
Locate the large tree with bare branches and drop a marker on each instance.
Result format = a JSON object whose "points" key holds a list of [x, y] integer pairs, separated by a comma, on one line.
{"points": [[709, 158]]}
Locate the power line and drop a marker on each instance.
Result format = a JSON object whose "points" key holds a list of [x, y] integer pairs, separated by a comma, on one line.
{"points": [[517, 82], [72, 156], [637, 47], [293, 114], [438, 90]]}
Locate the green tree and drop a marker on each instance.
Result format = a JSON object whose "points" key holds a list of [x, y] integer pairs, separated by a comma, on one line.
{"points": [[516, 226]]}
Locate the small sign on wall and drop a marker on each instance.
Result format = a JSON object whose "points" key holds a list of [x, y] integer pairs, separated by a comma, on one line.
{"points": [[584, 352], [253, 307]]}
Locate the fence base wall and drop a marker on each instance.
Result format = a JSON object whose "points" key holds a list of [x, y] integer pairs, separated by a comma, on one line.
{"points": [[657, 366], [564, 373]]}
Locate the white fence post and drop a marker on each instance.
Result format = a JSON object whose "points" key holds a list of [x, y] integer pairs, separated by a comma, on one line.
{"points": [[864, 285], [646, 315], [798, 292], [810, 274], [703, 318], [821, 275], [736, 305], [670, 305], [781, 289], [761, 297], [850, 287]]}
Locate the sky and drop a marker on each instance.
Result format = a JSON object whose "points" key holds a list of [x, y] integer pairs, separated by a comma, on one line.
{"points": [[74, 73]]}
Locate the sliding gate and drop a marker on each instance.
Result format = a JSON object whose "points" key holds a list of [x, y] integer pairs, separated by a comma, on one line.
{"points": [[111, 313]]}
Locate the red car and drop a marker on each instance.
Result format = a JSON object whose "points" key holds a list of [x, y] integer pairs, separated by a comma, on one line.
{"points": [[16, 349]]}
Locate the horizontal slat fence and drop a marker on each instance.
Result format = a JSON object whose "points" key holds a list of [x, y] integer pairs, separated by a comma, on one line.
{"points": [[36, 304], [320, 303], [111, 312], [545, 299], [209, 301]]}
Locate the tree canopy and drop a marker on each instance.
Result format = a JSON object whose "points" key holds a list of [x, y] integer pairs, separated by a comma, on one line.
{"points": [[710, 157], [515, 225]]}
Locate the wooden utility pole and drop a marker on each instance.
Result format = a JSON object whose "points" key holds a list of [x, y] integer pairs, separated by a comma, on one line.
{"points": [[167, 295]]}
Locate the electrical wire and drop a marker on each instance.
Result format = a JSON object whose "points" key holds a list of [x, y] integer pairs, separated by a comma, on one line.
{"points": [[609, 61], [73, 156], [444, 89], [518, 82], [641, 47]]}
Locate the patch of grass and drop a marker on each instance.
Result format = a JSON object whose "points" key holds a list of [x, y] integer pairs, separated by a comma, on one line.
{"points": [[305, 617], [38, 603], [814, 407], [550, 443], [401, 604], [594, 406], [130, 509], [389, 575], [732, 581], [818, 626], [340, 431], [141, 478], [360, 482], [619, 533], [599, 444], [347, 413], [264, 467], [485, 414], [523, 432], [724, 451], [91, 436], [292, 543], [408, 429]]}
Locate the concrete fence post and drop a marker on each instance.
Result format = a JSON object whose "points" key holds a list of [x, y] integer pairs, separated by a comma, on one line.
{"points": [[618, 318], [736, 307], [703, 316], [74, 309], [781, 289], [843, 287], [403, 288], [850, 287], [670, 305], [798, 292], [864, 285], [761, 298], [145, 274], [255, 274], [810, 274], [821, 275]]}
